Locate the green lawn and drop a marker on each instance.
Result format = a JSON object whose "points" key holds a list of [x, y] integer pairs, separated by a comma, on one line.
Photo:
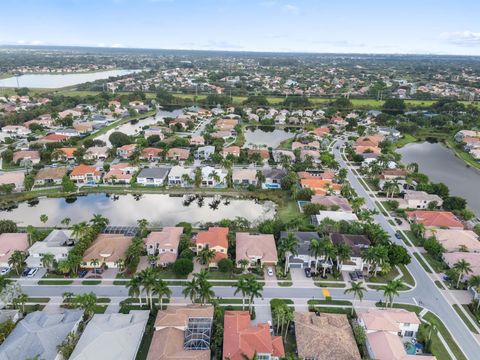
{"points": [[404, 140], [38, 300], [413, 238], [437, 265], [439, 284], [466, 319], [437, 350], [91, 282], [55, 282], [329, 302], [424, 265], [407, 277], [384, 278], [147, 337], [413, 308], [323, 284]]}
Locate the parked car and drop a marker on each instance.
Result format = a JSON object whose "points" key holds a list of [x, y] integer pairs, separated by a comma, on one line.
{"points": [[82, 273], [398, 221], [270, 326], [98, 271], [4, 270], [25, 272], [359, 274], [398, 235], [270, 271], [353, 275], [308, 272], [32, 272]]}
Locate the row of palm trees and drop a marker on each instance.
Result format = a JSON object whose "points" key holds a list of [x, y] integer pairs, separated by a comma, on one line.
{"points": [[147, 282]]}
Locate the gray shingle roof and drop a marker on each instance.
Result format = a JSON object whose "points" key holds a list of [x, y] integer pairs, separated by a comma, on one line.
{"points": [[156, 173], [304, 238]]}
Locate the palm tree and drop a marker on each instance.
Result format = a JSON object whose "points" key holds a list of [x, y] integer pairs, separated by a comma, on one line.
{"points": [[473, 282], [64, 267], [368, 256], [391, 290], [187, 180], [343, 254], [357, 203], [142, 226], [463, 268], [66, 221], [214, 176], [99, 221], [380, 257], [162, 290], [241, 287], [47, 260], [148, 278], [16, 260], [43, 218], [206, 255], [315, 249], [120, 264], [191, 289], [94, 263], [357, 290], [21, 299], [79, 230], [30, 232], [329, 252], [260, 178], [418, 229], [86, 302], [243, 264], [255, 289], [134, 288], [205, 292], [288, 247]]}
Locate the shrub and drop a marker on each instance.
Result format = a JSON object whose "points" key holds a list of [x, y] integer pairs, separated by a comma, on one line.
{"points": [[183, 267], [225, 265], [187, 254]]}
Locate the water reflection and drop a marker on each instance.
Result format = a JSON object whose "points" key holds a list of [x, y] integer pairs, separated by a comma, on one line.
{"points": [[441, 165], [158, 209], [267, 135]]}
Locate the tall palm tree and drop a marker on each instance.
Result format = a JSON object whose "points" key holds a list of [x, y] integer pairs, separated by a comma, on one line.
{"points": [[255, 289], [142, 226], [79, 230], [243, 264], [368, 256], [205, 292], [44, 218], [134, 287], [315, 249], [162, 290], [64, 267], [357, 204], [94, 263], [148, 277], [380, 257], [241, 287], [205, 256], [288, 247], [99, 221], [260, 178], [191, 289], [16, 260], [329, 252], [463, 267], [66, 221], [47, 260], [391, 290], [357, 290], [344, 253]]}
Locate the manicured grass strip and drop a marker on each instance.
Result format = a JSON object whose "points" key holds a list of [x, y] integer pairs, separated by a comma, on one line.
{"points": [[436, 264], [332, 310], [55, 282], [433, 319], [329, 302], [91, 282], [465, 319], [424, 265], [38, 300], [120, 282], [407, 277], [232, 301], [439, 285], [413, 308], [331, 285], [284, 283]]}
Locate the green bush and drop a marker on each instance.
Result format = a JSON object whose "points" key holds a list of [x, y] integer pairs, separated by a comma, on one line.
{"points": [[183, 267], [225, 265]]}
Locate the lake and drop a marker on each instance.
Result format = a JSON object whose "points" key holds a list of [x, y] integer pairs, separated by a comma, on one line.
{"points": [[158, 209], [268, 136], [441, 165], [53, 81], [133, 129]]}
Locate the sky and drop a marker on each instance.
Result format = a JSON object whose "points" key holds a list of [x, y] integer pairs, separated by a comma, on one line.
{"points": [[320, 26]]}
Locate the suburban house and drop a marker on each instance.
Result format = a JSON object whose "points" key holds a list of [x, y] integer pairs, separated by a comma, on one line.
{"points": [[332, 202], [393, 174], [52, 138], [112, 336], [333, 215], [58, 243], [205, 152], [120, 173], [241, 338], [198, 140], [39, 334], [107, 249], [181, 176], [152, 176], [85, 174], [473, 258], [455, 240], [244, 177], [312, 145], [177, 154], [263, 153], [213, 177], [321, 186], [419, 200], [13, 178], [279, 155], [17, 130], [231, 150], [50, 176], [320, 132], [387, 330], [435, 219], [182, 332], [303, 258], [258, 249], [96, 153], [226, 124], [9, 243], [65, 154], [126, 151], [356, 243], [368, 144], [216, 238], [164, 244], [273, 178], [23, 155], [324, 336], [151, 154], [154, 131]]}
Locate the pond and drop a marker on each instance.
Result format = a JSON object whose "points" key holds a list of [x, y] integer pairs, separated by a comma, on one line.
{"points": [[441, 165], [158, 209], [267, 136], [135, 128], [53, 81]]}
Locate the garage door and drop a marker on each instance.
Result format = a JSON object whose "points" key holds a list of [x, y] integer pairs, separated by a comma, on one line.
{"points": [[296, 266]]}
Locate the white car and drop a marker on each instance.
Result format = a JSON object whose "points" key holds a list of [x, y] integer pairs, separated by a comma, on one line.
{"points": [[270, 271], [32, 272], [4, 270]]}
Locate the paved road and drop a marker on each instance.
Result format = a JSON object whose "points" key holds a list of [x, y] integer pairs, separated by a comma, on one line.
{"points": [[426, 290]]}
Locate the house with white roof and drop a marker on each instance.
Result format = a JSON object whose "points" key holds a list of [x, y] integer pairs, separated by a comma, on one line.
{"points": [[181, 176], [58, 243]]}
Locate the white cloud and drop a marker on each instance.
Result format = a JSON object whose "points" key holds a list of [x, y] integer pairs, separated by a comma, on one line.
{"points": [[462, 38], [292, 9]]}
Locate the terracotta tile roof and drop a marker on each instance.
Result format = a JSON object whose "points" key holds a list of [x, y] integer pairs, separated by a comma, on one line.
{"points": [[264, 153], [54, 137], [260, 246], [82, 169], [241, 338], [320, 186], [110, 247], [387, 319], [68, 151], [9, 242], [435, 218], [321, 131], [26, 154], [325, 337], [147, 152], [177, 152], [51, 173], [234, 150], [215, 236], [452, 239]]}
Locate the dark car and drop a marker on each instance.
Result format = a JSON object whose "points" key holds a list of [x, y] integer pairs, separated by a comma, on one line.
{"points": [[308, 272], [82, 273], [98, 271], [359, 274], [353, 275], [398, 235], [25, 272], [398, 221]]}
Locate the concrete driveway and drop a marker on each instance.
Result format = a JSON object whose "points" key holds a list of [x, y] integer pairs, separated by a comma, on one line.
{"points": [[270, 280], [299, 278]]}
